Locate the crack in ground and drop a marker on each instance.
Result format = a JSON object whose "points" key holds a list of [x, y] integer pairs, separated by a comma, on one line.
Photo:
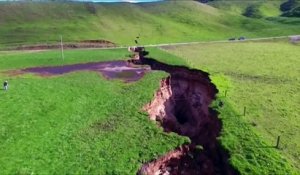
{"points": [[181, 105]]}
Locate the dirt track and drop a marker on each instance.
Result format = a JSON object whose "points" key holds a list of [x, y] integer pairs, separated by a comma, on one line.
{"points": [[181, 105]]}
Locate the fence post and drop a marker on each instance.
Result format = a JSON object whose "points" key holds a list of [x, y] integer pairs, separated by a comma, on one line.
{"points": [[278, 141], [62, 48], [244, 110]]}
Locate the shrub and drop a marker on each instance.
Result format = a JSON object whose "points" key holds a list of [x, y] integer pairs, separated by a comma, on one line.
{"points": [[252, 11], [288, 5], [205, 1], [292, 13], [91, 8]]}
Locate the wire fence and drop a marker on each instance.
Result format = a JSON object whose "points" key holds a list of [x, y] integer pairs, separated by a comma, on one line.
{"points": [[24, 44]]}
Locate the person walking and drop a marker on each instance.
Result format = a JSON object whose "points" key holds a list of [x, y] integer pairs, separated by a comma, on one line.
{"points": [[5, 85]]}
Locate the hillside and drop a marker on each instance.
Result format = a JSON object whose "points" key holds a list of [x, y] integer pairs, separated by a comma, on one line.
{"points": [[266, 8], [171, 21], [282, 11]]}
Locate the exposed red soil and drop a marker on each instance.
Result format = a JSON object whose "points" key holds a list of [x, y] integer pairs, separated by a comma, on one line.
{"points": [[181, 105], [68, 45], [109, 69]]}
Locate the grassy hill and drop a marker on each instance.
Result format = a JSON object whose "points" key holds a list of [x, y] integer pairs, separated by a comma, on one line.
{"points": [[170, 21], [64, 124], [266, 8]]}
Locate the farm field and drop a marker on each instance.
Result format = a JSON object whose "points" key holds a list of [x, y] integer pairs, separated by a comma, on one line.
{"points": [[67, 121], [264, 78], [78, 122], [216, 107]]}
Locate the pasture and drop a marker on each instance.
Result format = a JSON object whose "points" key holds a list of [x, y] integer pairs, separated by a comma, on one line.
{"points": [[264, 78]]}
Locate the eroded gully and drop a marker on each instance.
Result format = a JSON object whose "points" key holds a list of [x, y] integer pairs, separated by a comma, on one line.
{"points": [[181, 105]]}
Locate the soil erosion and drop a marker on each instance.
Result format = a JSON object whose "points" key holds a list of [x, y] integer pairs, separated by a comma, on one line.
{"points": [[181, 105]]}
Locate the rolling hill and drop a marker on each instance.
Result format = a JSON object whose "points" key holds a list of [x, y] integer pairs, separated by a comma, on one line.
{"points": [[161, 22], [85, 123]]}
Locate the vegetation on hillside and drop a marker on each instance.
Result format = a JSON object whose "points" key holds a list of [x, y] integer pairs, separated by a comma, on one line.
{"points": [[162, 22], [288, 5], [295, 12], [252, 11], [290, 8], [260, 9]]}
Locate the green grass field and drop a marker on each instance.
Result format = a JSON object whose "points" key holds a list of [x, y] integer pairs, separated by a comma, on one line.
{"points": [[264, 78], [164, 22], [81, 123], [78, 123]]}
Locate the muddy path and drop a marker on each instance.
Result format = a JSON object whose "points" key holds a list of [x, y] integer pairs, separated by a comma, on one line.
{"points": [[181, 105]]}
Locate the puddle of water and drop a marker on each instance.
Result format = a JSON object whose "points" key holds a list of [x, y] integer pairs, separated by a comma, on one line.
{"points": [[109, 69]]}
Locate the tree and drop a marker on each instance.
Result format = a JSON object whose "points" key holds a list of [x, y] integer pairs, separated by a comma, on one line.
{"points": [[205, 1], [288, 5], [252, 11], [91, 8], [293, 13]]}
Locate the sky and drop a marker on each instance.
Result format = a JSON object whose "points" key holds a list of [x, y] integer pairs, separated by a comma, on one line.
{"points": [[130, 1]]}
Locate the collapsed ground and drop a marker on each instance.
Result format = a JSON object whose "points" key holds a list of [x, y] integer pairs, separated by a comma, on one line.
{"points": [[181, 105], [259, 76], [65, 124]]}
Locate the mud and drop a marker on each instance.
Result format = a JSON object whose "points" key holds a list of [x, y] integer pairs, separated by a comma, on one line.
{"points": [[181, 105], [110, 70]]}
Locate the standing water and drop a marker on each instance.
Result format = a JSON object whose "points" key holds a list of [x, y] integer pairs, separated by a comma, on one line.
{"points": [[109, 69]]}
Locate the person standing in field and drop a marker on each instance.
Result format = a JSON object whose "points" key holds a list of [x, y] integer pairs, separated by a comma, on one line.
{"points": [[5, 85]]}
